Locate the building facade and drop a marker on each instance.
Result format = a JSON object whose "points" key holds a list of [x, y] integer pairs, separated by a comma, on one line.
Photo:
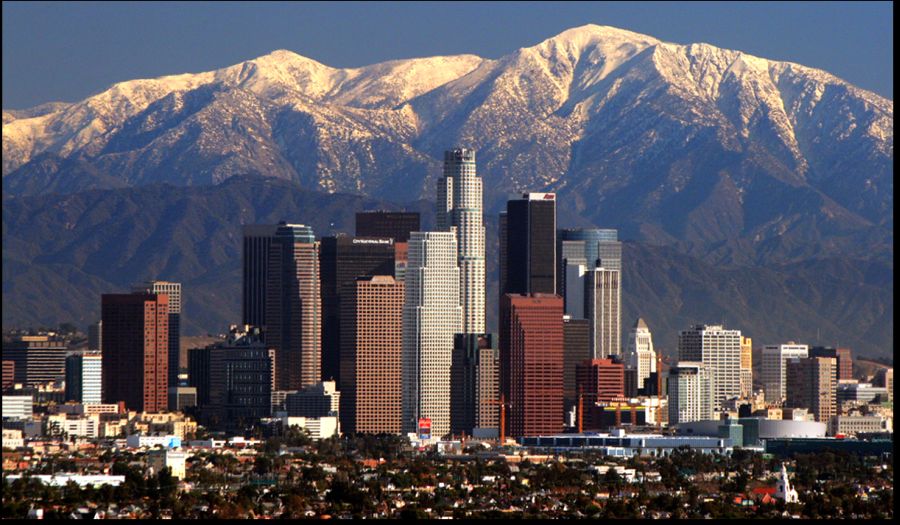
{"points": [[773, 373], [95, 336], [460, 206], [474, 384], [528, 261], [746, 367], [397, 225], [531, 363], [432, 315], [37, 359], [173, 290], [576, 349], [371, 355], [640, 355], [294, 307], [689, 389], [342, 259], [255, 265], [843, 357], [720, 350], [84, 377], [812, 383], [135, 354], [603, 310]]}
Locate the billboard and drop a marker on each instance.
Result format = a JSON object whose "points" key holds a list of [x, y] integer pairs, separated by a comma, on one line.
{"points": [[424, 428]]}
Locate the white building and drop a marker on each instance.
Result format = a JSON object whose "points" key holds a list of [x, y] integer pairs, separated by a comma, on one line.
{"points": [[852, 425], [431, 316], [83, 377], [82, 480], [17, 407], [774, 368], [460, 206], [689, 389], [140, 441], [640, 355], [174, 459], [783, 489], [318, 427], [720, 350], [602, 293], [12, 438], [67, 427]]}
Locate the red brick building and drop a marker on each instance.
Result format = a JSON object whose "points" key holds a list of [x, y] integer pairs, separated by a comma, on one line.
{"points": [[531, 363], [136, 350], [599, 380], [9, 373]]}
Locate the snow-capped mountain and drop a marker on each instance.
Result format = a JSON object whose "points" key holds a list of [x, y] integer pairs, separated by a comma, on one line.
{"points": [[671, 143]]}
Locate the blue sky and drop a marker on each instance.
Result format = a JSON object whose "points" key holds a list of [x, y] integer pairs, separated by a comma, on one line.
{"points": [[67, 51]]}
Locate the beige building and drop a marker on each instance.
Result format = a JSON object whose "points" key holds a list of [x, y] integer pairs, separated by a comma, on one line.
{"points": [[371, 355], [746, 367], [852, 425]]}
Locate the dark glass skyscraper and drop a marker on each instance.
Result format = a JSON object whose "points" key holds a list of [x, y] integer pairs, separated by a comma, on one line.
{"points": [[530, 255], [343, 259], [255, 263], [293, 307], [394, 224]]}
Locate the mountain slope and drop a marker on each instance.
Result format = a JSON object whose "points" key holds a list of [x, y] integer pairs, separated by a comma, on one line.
{"points": [[61, 252], [729, 153]]}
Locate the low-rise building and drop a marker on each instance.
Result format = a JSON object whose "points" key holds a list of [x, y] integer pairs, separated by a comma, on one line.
{"points": [[12, 438], [174, 459], [318, 427], [140, 441], [852, 425], [17, 407]]}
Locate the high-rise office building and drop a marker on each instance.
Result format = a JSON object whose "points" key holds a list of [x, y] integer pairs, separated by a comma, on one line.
{"points": [[640, 355], [844, 360], [460, 206], [502, 235], [884, 378], [432, 315], [397, 225], [531, 363], [746, 367], [689, 389], [773, 373], [37, 359], [576, 349], [84, 377], [812, 384], [585, 246], [529, 257], [136, 350], [198, 373], [255, 265], [474, 384], [173, 290], [603, 310], [294, 307], [720, 350], [600, 380], [240, 380], [576, 281], [95, 339], [341, 260], [371, 355]]}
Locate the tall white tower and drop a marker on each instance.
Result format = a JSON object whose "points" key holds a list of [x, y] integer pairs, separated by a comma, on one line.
{"points": [[774, 368], [460, 205], [640, 355], [601, 299], [431, 316], [720, 350]]}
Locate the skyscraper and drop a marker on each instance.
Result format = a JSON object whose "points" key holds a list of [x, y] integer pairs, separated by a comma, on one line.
{"points": [[432, 315], [371, 355], [95, 341], [84, 374], [812, 383], [240, 380], [746, 367], [255, 264], [173, 290], [720, 350], [459, 206], [601, 306], [640, 356], [774, 368], [341, 260], [531, 362], [294, 307], [690, 394], [136, 350], [397, 225], [583, 246], [38, 358], [576, 349], [529, 259], [844, 361], [474, 384]]}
